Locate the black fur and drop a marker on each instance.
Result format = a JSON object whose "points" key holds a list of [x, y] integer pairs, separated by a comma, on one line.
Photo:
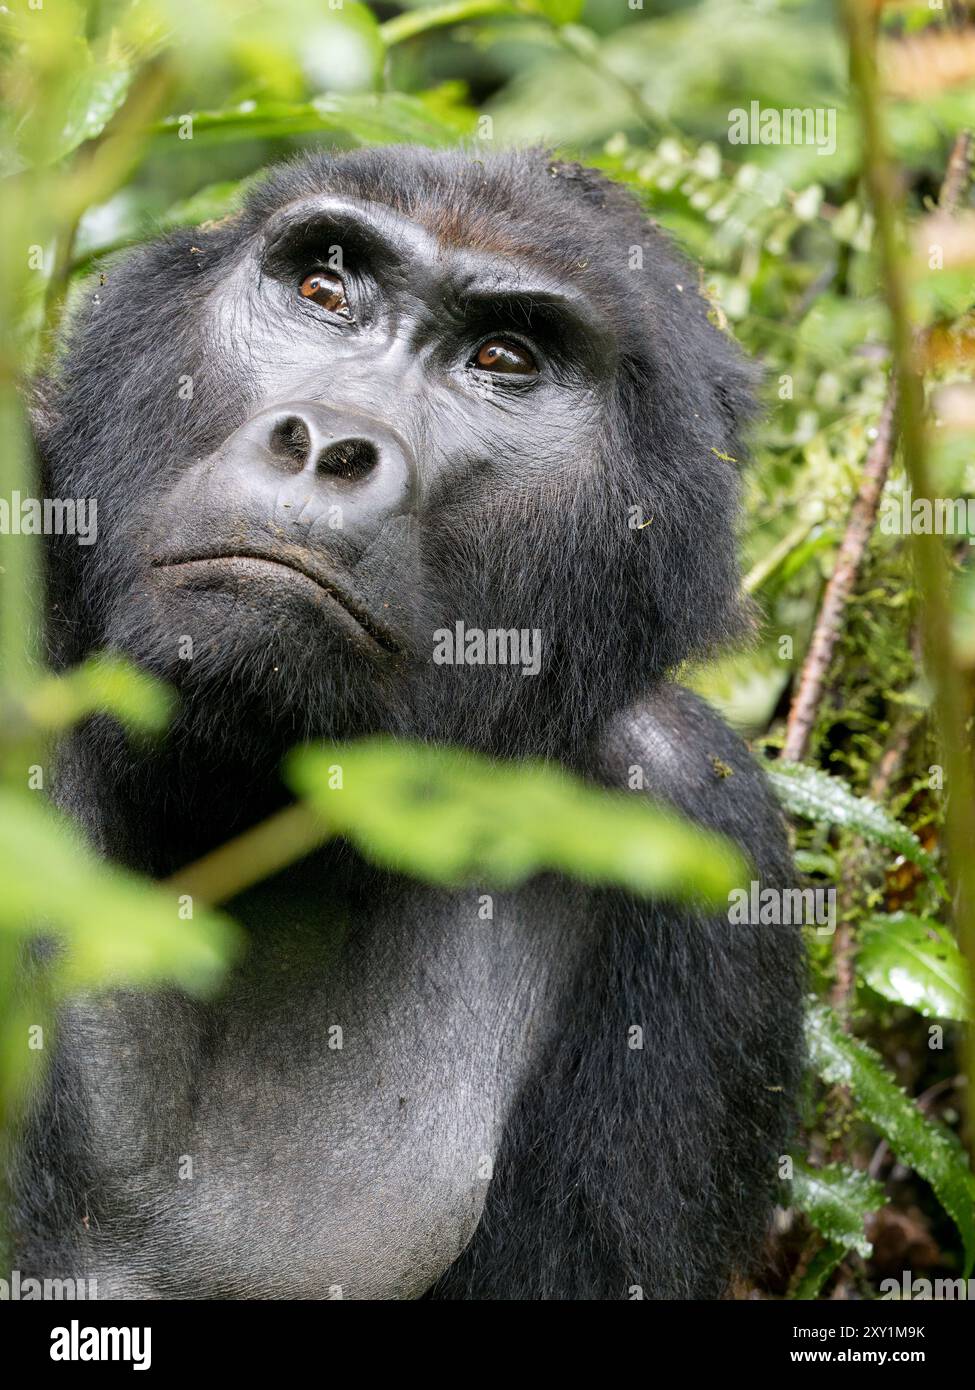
{"points": [[616, 1168]]}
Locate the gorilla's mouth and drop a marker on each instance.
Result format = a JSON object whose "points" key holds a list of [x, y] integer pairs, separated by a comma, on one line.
{"points": [[353, 616]]}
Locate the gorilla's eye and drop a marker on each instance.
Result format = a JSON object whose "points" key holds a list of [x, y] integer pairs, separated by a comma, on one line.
{"points": [[505, 355], [327, 290]]}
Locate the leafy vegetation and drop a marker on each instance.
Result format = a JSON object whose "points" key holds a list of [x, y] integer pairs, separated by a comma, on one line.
{"points": [[840, 263]]}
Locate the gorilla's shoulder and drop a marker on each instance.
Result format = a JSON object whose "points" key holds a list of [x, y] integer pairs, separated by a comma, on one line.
{"points": [[676, 748]]}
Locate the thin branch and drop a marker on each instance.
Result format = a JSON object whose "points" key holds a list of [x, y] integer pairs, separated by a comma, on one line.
{"points": [[863, 516], [859, 528], [958, 173]]}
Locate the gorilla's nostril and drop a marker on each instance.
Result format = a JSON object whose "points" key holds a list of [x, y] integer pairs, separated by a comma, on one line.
{"points": [[291, 440], [348, 458]]}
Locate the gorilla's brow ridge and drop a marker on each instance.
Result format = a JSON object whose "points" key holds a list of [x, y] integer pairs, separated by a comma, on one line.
{"points": [[515, 282]]}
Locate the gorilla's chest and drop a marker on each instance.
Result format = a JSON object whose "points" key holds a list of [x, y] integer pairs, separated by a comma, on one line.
{"points": [[330, 1123]]}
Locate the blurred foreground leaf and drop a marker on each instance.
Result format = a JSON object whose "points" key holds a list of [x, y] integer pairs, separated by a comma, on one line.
{"points": [[97, 94], [367, 119], [451, 817], [104, 683], [115, 927]]}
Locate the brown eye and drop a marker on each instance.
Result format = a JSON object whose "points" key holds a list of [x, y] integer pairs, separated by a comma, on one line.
{"points": [[503, 355], [327, 290]]}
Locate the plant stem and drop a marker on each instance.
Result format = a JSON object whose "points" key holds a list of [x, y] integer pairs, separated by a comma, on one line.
{"points": [[413, 22], [258, 853], [950, 697]]}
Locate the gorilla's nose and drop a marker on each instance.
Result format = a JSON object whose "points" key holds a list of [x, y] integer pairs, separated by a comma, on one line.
{"points": [[345, 468], [351, 457]]}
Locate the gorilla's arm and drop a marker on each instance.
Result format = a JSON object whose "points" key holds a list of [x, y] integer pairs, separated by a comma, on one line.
{"points": [[613, 1166], [652, 1169]]}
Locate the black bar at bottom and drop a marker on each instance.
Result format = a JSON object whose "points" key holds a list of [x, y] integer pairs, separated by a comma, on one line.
{"points": [[730, 1337]]}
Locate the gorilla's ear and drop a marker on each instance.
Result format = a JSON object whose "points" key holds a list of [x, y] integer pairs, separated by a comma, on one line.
{"points": [[735, 390]]}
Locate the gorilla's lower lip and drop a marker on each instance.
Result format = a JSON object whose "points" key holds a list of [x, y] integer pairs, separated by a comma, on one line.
{"points": [[349, 608]]}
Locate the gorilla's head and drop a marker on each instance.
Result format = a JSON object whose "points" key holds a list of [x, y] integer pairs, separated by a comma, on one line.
{"points": [[401, 391]]}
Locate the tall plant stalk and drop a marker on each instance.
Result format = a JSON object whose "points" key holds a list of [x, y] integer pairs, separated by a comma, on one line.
{"points": [[951, 700]]}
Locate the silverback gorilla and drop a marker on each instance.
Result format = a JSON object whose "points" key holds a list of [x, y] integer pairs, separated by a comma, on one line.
{"points": [[399, 391]]}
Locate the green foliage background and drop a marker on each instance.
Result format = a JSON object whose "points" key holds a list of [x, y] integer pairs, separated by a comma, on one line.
{"points": [[121, 119]]}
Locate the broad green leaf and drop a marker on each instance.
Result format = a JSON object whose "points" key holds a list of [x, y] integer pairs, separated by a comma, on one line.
{"points": [[816, 796], [83, 92], [365, 118], [116, 928], [915, 961], [103, 684], [929, 1148], [97, 94], [837, 1200], [452, 817]]}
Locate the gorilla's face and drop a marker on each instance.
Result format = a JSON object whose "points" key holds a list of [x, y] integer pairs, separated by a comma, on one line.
{"points": [[394, 389], [402, 393]]}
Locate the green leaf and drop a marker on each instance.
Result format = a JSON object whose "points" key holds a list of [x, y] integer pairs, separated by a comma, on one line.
{"points": [[929, 1148], [820, 1267], [366, 118], [915, 961], [837, 1200], [557, 11], [75, 108], [103, 684], [207, 204], [116, 928], [450, 817], [809, 861], [816, 796], [97, 94]]}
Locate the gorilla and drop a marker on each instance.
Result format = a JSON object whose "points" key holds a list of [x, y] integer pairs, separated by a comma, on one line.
{"points": [[403, 394]]}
